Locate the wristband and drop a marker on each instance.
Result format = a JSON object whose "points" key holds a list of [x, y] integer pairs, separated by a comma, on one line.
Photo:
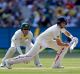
{"points": [[71, 36]]}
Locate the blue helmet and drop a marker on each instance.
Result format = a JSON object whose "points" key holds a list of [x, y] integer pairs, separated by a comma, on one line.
{"points": [[61, 19], [25, 26]]}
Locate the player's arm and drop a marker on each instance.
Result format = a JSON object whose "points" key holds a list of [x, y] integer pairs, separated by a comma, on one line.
{"points": [[17, 43], [60, 43], [18, 48], [74, 40], [68, 34]]}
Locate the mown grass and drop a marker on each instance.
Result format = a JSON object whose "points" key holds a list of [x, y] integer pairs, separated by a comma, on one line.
{"points": [[71, 64]]}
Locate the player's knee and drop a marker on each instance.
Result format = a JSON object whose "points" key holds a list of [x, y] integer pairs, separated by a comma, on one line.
{"points": [[12, 49]]}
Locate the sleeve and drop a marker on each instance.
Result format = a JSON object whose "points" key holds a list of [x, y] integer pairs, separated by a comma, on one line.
{"points": [[19, 50], [17, 43], [67, 33], [16, 40], [16, 35], [63, 30]]}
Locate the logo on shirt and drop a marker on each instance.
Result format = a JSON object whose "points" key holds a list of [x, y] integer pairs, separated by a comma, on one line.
{"points": [[24, 37]]}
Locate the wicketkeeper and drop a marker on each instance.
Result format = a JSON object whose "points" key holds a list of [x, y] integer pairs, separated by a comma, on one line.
{"points": [[22, 37]]}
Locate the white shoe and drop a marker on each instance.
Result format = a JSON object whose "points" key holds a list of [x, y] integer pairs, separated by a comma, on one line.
{"points": [[7, 64], [2, 65], [39, 65]]}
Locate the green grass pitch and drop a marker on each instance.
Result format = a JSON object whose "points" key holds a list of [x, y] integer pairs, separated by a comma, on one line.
{"points": [[71, 64]]}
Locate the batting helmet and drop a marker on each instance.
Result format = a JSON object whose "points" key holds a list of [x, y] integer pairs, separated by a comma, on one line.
{"points": [[25, 26], [61, 19]]}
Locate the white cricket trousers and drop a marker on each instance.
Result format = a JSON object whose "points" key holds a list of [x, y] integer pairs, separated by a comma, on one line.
{"points": [[26, 57], [59, 56], [11, 51], [36, 49]]}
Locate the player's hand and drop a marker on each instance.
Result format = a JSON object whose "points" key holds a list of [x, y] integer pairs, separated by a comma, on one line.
{"points": [[75, 39]]}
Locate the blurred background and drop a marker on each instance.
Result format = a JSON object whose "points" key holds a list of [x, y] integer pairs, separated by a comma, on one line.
{"points": [[41, 14]]}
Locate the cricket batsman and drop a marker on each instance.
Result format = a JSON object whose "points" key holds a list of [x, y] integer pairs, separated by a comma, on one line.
{"points": [[22, 37], [49, 38]]}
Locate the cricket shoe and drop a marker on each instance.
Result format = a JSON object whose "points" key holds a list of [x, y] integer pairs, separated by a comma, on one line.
{"points": [[2, 65], [39, 65], [7, 64]]}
